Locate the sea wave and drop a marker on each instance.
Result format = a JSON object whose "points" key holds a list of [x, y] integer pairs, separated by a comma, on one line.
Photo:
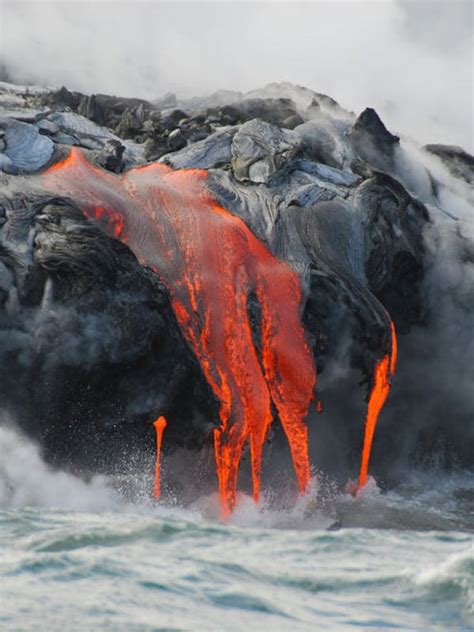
{"points": [[100, 554], [424, 501], [172, 569]]}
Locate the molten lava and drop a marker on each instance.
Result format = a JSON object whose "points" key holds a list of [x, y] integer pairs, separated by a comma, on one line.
{"points": [[160, 424], [210, 262], [384, 370]]}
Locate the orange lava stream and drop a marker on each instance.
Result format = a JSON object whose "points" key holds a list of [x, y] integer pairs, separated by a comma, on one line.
{"points": [[384, 370], [210, 261], [160, 424]]}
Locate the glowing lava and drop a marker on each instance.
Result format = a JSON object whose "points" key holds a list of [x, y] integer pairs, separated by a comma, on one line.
{"points": [[210, 262], [160, 424], [384, 370]]}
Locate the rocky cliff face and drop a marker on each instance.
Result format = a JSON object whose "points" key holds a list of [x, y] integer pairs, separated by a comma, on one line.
{"points": [[91, 348]]}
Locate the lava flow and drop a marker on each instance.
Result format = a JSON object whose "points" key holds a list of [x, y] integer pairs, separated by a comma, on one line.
{"points": [[384, 370], [160, 424], [210, 262]]}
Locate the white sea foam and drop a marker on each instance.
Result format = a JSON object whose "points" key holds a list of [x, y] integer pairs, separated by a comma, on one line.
{"points": [[26, 480]]}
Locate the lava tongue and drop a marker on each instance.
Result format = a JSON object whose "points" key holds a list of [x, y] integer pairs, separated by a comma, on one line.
{"points": [[210, 261], [384, 370], [160, 424]]}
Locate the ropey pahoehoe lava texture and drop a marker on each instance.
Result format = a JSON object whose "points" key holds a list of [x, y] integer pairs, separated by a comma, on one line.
{"points": [[274, 241]]}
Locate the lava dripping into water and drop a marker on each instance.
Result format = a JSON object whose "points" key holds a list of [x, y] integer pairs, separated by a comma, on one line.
{"points": [[210, 262], [384, 370], [160, 424]]}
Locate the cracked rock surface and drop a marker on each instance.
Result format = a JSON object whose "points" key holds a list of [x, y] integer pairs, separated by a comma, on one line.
{"points": [[88, 333]]}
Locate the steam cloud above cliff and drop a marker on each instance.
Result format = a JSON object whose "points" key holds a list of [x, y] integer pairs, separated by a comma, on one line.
{"points": [[410, 60]]}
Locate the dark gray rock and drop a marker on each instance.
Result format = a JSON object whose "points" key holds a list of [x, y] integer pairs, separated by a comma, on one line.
{"points": [[372, 142], [26, 149], [47, 127], [110, 156], [90, 333], [212, 152], [88, 325], [92, 109], [459, 162], [260, 149]]}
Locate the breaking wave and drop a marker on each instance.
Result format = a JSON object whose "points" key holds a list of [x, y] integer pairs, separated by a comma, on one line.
{"points": [[26, 481], [425, 500], [401, 558]]}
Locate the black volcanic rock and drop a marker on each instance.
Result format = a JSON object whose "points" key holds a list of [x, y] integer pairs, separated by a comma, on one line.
{"points": [[89, 334], [63, 98], [372, 141], [91, 108], [459, 162], [369, 124], [130, 125], [274, 111], [111, 156]]}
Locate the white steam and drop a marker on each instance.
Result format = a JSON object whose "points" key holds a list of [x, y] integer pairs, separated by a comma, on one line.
{"points": [[412, 61], [435, 378], [26, 480]]}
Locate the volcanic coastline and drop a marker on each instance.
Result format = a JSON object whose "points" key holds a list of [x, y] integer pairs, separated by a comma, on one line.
{"points": [[243, 267]]}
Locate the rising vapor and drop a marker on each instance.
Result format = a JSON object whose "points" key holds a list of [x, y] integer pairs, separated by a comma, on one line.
{"points": [[412, 61]]}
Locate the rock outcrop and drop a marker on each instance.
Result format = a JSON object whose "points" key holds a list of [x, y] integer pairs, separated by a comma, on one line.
{"points": [[90, 348]]}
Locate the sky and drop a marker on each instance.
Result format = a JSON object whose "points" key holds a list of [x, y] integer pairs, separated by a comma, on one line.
{"points": [[411, 60]]}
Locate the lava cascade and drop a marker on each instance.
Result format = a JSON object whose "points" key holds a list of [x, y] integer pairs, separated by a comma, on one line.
{"points": [[384, 370], [160, 424], [210, 262]]}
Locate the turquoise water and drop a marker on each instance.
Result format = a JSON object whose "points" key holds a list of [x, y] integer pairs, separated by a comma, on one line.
{"points": [[101, 561]]}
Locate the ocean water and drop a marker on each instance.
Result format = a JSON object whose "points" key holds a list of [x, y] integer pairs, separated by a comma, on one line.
{"points": [[87, 556]]}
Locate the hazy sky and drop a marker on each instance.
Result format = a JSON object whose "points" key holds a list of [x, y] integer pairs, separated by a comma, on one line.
{"points": [[412, 60]]}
